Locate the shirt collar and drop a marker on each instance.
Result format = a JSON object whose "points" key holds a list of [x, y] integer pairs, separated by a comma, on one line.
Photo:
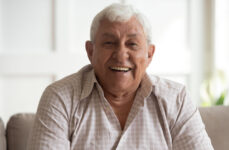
{"points": [[88, 82], [145, 88]]}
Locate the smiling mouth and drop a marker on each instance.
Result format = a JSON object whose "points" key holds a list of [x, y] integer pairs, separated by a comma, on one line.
{"points": [[120, 69]]}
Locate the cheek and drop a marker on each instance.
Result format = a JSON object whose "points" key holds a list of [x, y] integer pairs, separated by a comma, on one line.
{"points": [[141, 60], [100, 58]]}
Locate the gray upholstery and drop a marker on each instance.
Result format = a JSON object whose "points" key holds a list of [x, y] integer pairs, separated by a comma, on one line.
{"points": [[216, 121], [17, 132], [2, 136]]}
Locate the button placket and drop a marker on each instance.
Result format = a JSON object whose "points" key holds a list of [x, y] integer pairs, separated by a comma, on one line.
{"points": [[108, 110]]}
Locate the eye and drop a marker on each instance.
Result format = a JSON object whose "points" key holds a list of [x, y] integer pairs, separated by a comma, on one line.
{"points": [[132, 44], [108, 43]]}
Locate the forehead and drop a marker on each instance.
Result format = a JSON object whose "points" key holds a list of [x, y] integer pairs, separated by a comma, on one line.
{"points": [[130, 27]]}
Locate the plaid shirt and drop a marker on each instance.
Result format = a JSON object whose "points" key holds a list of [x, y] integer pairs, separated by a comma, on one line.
{"points": [[73, 114]]}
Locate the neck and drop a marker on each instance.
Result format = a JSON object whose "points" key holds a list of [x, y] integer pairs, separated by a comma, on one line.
{"points": [[119, 99]]}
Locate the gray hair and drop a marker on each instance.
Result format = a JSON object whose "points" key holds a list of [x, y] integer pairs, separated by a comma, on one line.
{"points": [[120, 13]]}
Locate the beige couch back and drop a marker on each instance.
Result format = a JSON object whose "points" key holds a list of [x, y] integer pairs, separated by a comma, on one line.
{"points": [[216, 120]]}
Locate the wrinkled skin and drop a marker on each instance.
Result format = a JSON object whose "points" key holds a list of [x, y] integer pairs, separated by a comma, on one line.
{"points": [[120, 44]]}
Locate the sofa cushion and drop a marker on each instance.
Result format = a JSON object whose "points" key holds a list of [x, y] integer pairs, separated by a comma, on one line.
{"points": [[2, 136], [216, 120], [17, 132]]}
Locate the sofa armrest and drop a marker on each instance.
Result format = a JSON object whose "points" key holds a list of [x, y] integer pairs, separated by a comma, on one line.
{"points": [[2, 136], [18, 129]]}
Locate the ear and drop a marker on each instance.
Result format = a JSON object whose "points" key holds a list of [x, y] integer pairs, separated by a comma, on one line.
{"points": [[89, 49], [151, 50]]}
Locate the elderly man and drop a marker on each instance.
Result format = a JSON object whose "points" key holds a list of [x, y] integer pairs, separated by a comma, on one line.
{"points": [[112, 103]]}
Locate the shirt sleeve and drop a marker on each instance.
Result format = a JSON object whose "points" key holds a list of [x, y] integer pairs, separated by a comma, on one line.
{"points": [[50, 129], [189, 131]]}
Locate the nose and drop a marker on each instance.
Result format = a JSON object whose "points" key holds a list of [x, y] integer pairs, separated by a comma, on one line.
{"points": [[121, 53]]}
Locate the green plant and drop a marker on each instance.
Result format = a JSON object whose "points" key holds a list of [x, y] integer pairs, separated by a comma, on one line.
{"points": [[214, 90]]}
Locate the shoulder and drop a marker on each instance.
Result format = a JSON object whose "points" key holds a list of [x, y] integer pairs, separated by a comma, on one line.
{"points": [[173, 100], [71, 85], [64, 95], [166, 89], [170, 96]]}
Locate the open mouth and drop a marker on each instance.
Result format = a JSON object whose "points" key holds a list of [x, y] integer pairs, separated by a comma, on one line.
{"points": [[120, 69]]}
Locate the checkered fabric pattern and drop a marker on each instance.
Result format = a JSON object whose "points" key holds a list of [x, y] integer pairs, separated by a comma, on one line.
{"points": [[73, 114]]}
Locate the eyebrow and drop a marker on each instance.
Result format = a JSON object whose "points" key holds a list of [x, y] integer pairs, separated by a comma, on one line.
{"points": [[108, 35], [132, 35]]}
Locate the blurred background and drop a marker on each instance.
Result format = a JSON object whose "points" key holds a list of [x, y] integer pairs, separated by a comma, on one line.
{"points": [[42, 41]]}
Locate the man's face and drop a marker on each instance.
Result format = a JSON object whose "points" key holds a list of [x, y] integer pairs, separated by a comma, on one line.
{"points": [[120, 55]]}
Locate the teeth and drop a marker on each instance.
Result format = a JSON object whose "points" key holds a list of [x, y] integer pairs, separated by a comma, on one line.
{"points": [[120, 68]]}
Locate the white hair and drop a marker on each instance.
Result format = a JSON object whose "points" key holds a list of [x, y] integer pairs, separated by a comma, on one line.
{"points": [[120, 13]]}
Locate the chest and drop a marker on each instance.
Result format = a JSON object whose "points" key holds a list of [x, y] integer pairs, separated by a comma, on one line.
{"points": [[97, 127], [122, 112]]}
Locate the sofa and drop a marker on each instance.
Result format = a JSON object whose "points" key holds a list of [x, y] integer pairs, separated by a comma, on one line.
{"points": [[15, 135]]}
